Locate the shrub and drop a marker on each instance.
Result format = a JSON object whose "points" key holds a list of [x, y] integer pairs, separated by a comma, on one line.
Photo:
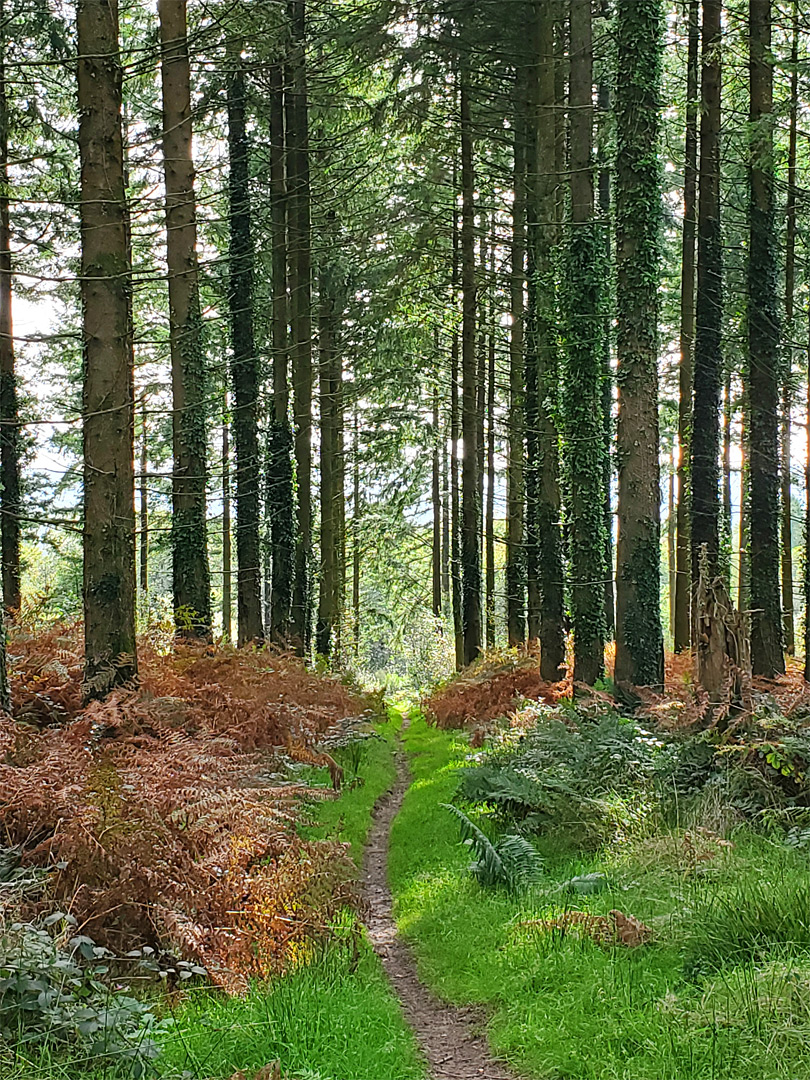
{"points": [[589, 774], [50, 992]]}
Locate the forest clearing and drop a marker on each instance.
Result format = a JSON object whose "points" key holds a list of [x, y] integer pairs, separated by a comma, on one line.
{"points": [[404, 540]]}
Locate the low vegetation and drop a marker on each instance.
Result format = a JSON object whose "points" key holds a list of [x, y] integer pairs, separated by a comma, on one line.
{"points": [[667, 938]]}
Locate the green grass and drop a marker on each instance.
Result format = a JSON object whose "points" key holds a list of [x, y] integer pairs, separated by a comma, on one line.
{"points": [[567, 1008], [334, 1019], [348, 818]]}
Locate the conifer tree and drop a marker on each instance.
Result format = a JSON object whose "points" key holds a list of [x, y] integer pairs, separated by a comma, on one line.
{"points": [[583, 366], [763, 360], [244, 366], [639, 640], [191, 576], [108, 399], [10, 505]]}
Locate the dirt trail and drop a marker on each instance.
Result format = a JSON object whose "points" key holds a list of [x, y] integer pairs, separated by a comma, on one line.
{"points": [[448, 1036]]}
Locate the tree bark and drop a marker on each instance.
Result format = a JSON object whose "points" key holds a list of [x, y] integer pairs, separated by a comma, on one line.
{"points": [[639, 638], [682, 632], [705, 425], [144, 501], [108, 397], [244, 366], [489, 515], [515, 489], [455, 431], [787, 391], [227, 603], [436, 499], [470, 505], [583, 389], [357, 516], [543, 531], [328, 361], [300, 279], [603, 101], [10, 505], [764, 374], [280, 479], [190, 571]]}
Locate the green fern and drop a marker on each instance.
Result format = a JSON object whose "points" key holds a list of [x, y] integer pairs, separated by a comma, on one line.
{"points": [[510, 862]]}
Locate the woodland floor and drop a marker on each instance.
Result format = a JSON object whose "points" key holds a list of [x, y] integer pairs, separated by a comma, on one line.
{"points": [[450, 1039]]}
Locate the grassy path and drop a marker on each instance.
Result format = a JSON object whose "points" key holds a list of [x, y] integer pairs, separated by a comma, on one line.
{"points": [[449, 1038]]}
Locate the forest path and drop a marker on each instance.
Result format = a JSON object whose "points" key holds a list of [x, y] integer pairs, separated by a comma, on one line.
{"points": [[448, 1036]]}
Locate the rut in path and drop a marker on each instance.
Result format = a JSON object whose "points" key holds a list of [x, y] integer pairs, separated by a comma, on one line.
{"points": [[446, 1035]]}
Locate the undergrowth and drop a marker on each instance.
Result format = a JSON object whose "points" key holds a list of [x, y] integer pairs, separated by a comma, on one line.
{"points": [[165, 815], [719, 992]]}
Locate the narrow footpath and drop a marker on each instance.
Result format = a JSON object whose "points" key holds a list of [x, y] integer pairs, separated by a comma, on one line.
{"points": [[450, 1038]]}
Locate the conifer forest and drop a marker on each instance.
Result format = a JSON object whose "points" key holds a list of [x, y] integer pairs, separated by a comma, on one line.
{"points": [[405, 539]]}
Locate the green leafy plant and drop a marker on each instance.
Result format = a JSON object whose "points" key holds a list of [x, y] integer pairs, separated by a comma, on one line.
{"points": [[51, 992], [510, 861]]}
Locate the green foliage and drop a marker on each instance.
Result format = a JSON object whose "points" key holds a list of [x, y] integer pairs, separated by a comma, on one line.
{"points": [[559, 1006], [510, 861], [582, 776], [51, 993]]}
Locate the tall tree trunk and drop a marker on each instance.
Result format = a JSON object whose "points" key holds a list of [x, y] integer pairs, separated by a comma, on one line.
{"points": [[436, 498], [190, 571], [455, 431], [282, 501], [727, 542], [244, 367], [543, 531], [445, 497], [227, 605], [482, 316], [9, 415], [671, 565], [327, 348], [744, 583], [144, 501], [682, 632], [357, 512], [787, 385], [807, 512], [705, 426], [515, 490], [108, 399], [299, 254], [764, 375], [489, 516], [603, 101], [639, 639], [470, 506], [583, 390]]}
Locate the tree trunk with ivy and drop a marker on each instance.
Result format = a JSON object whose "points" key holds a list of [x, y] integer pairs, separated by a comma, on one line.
{"points": [[108, 392], [544, 534], [10, 505], [682, 631], [582, 391], [763, 364], [191, 578], [639, 637], [281, 499]]}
